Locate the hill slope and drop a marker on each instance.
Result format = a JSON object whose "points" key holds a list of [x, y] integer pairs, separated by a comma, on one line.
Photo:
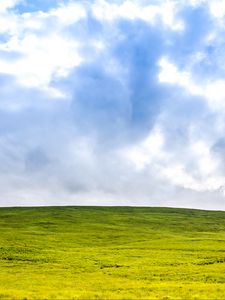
{"points": [[111, 253]]}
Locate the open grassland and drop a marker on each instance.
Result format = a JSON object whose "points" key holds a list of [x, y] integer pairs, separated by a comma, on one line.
{"points": [[111, 253]]}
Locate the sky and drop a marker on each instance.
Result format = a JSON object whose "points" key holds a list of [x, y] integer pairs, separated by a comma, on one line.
{"points": [[112, 103]]}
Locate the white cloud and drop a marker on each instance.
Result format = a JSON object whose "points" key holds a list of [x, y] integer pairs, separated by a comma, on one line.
{"points": [[42, 58], [44, 52], [6, 4], [168, 165], [132, 10], [178, 176], [195, 3], [69, 14], [217, 8], [212, 90], [147, 151], [170, 74]]}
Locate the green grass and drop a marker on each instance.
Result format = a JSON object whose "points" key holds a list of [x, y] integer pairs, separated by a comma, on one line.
{"points": [[111, 253]]}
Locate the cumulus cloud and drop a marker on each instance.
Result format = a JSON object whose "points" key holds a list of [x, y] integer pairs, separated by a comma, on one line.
{"points": [[112, 103]]}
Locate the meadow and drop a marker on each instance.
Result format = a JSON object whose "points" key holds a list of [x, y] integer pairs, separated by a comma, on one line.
{"points": [[111, 253]]}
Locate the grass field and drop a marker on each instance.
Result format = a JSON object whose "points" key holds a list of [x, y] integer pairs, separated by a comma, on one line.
{"points": [[111, 253]]}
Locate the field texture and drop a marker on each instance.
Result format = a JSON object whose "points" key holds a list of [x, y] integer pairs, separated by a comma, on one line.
{"points": [[111, 253]]}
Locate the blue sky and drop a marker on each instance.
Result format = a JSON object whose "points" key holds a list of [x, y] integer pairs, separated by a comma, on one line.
{"points": [[112, 103]]}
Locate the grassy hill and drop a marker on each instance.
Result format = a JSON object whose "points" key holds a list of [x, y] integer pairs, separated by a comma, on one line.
{"points": [[111, 253]]}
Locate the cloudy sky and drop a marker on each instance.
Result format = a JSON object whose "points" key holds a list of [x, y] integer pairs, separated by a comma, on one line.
{"points": [[112, 103]]}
